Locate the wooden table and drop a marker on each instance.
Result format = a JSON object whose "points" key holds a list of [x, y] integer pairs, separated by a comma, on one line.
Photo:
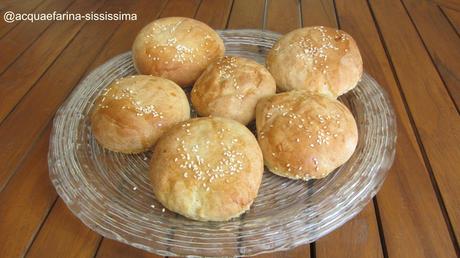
{"points": [[411, 47]]}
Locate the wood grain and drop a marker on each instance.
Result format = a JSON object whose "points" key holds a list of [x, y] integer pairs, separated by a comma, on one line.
{"points": [[114, 249], [214, 13], [25, 201], [25, 33], [183, 8], [25, 121], [434, 113], [110, 248], [17, 7], [24, 73], [415, 71], [454, 18], [20, 129], [452, 4], [413, 225], [24, 215], [63, 235], [123, 38], [298, 252], [35, 202], [440, 40], [275, 10], [247, 14], [289, 10], [123, 41], [357, 238], [241, 18], [360, 236], [318, 12]]}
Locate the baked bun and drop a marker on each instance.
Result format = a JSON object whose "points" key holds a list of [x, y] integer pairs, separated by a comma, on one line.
{"points": [[133, 112], [230, 87], [304, 136], [207, 169], [318, 59], [176, 48]]}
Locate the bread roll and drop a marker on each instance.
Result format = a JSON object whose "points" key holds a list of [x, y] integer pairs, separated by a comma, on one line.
{"points": [[317, 59], [176, 48], [134, 111], [207, 169], [230, 87], [304, 136]]}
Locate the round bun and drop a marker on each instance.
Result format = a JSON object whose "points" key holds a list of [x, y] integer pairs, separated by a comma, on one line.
{"points": [[318, 59], [176, 48], [230, 87], [133, 112], [207, 169], [304, 136]]}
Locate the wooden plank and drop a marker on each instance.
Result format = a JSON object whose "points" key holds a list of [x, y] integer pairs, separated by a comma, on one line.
{"points": [[21, 128], [22, 74], [441, 41], [214, 13], [275, 10], [114, 249], [298, 252], [182, 8], [413, 225], [250, 14], [434, 114], [360, 236], [452, 4], [318, 12], [63, 235], [25, 214], [110, 248], [247, 14], [123, 39], [454, 18], [357, 238], [25, 201], [289, 10], [25, 33], [16, 7]]}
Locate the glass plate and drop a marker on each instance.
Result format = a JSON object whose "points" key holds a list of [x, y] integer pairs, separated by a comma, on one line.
{"points": [[110, 192]]}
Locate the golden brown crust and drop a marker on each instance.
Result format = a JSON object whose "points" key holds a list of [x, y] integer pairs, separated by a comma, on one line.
{"points": [[318, 59], [230, 87], [304, 136], [207, 169], [176, 48], [134, 111]]}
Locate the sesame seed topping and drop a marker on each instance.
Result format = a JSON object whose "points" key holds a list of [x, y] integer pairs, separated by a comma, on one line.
{"points": [[317, 49], [206, 171]]}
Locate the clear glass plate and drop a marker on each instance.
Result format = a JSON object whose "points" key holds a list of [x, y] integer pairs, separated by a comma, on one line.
{"points": [[110, 192]]}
